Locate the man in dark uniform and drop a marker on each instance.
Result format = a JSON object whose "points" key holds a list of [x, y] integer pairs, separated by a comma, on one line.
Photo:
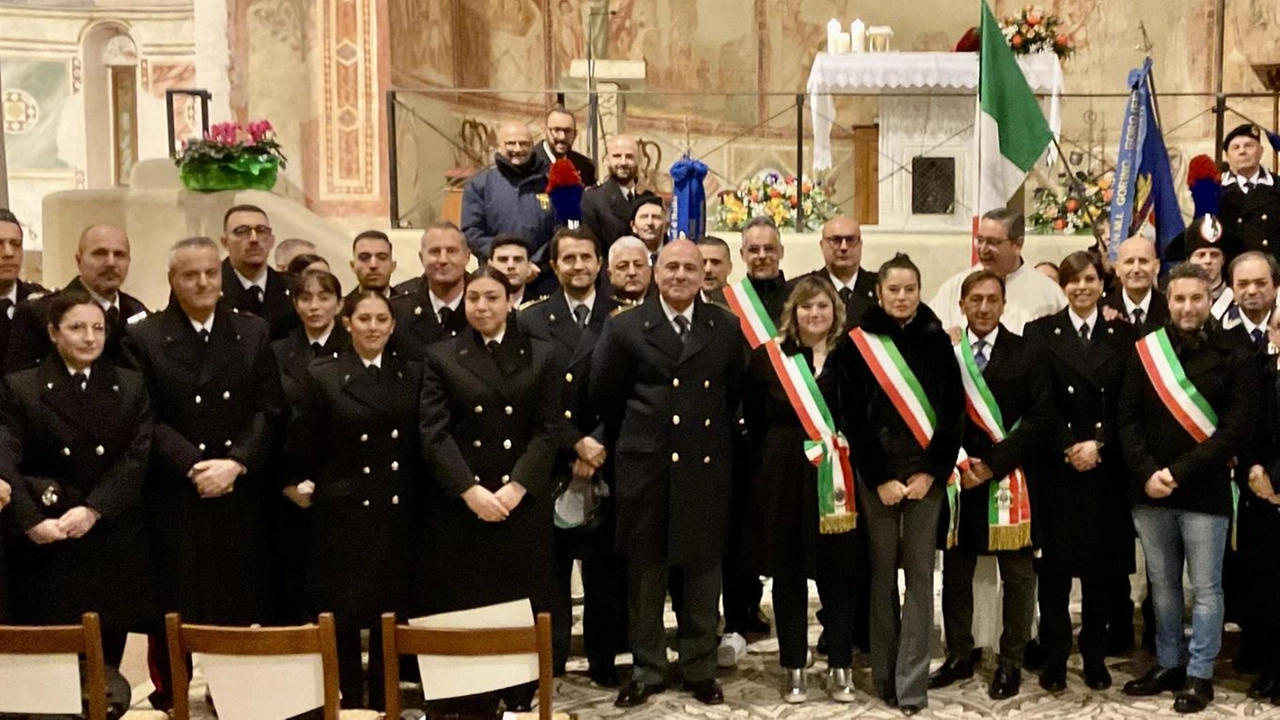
{"points": [[435, 310], [841, 245], [606, 208], [717, 265], [1188, 406], [1250, 203], [1001, 357], [570, 321], [1137, 300], [249, 283], [216, 395], [12, 289], [1253, 287], [666, 377], [373, 263], [560, 131], [510, 254], [649, 224], [103, 260], [630, 274]]}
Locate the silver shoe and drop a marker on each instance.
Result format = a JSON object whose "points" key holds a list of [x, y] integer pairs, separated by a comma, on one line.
{"points": [[796, 689], [840, 683]]}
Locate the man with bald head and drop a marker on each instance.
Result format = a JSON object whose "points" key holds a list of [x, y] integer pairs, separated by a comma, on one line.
{"points": [[666, 378], [1137, 300], [102, 258], [606, 208], [510, 198], [841, 245]]}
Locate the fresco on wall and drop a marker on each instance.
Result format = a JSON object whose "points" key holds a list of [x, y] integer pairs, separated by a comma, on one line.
{"points": [[35, 95], [422, 42]]}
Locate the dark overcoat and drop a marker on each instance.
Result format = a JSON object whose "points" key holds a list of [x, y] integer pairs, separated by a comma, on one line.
{"points": [[277, 302], [418, 326], [29, 335]]}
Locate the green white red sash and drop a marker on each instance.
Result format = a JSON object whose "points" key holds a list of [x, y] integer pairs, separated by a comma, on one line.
{"points": [[1008, 504], [826, 447], [905, 392], [746, 304], [1180, 396], [1182, 399]]}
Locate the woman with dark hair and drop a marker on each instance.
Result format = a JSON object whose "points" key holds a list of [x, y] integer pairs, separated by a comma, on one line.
{"points": [[487, 436], [304, 262], [354, 436], [802, 519], [903, 409], [1086, 530], [75, 436]]}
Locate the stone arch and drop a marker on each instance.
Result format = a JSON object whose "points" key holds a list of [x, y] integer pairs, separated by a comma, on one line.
{"points": [[109, 58]]}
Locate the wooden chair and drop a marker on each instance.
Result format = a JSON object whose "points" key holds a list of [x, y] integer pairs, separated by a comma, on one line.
{"points": [[83, 639], [217, 640], [400, 640]]}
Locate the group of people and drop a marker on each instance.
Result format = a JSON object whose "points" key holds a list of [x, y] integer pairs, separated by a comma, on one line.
{"points": [[267, 447]]}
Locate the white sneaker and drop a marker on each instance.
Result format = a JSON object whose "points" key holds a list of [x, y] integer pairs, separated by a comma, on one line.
{"points": [[732, 648]]}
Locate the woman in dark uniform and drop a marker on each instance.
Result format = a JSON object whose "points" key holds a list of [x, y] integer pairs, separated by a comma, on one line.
{"points": [[487, 435], [902, 475], [786, 541], [354, 436], [1085, 529], [75, 435]]}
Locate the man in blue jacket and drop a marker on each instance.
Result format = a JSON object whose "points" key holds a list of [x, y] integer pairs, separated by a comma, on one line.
{"points": [[511, 198]]}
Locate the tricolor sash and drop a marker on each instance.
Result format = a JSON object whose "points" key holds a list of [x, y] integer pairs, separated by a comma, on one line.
{"points": [[826, 447], [905, 392], [746, 304], [1182, 399], [1008, 504]]}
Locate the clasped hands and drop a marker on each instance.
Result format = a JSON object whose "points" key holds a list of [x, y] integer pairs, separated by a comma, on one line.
{"points": [[1260, 484], [494, 506], [895, 491], [215, 478], [1083, 456], [591, 456], [74, 523], [977, 474]]}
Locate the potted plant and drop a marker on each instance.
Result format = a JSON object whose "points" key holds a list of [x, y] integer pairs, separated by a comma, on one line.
{"points": [[231, 156]]}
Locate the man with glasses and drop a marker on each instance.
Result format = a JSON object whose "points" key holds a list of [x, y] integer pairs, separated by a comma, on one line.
{"points": [[1028, 294], [762, 252], [560, 131], [841, 245], [249, 283]]}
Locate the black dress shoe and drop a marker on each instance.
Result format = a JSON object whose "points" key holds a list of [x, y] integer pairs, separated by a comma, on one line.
{"points": [[707, 692], [1006, 683], [1033, 656], [1264, 686], [604, 678], [637, 693], [910, 710], [1054, 681], [161, 701], [753, 624], [1196, 697], [1156, 681], [1097, 676], [953, 670]]}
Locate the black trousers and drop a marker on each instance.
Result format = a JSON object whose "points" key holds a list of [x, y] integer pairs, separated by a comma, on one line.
{"points": [[791, 616], [1055, 618], [351, 673], [696, 615], [604, 599], [1017, 579]]}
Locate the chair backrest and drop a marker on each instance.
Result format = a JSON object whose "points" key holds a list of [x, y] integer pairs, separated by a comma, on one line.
{"points": [[83, 639], [400, 640], [316, 639]]}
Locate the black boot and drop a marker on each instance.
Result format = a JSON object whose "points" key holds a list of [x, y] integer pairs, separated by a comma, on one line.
{"points": [[1156, 681], [1196, 697]]}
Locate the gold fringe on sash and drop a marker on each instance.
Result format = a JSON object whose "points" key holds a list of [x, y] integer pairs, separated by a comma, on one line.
{"points": [[1009, 537], [836, 524]]}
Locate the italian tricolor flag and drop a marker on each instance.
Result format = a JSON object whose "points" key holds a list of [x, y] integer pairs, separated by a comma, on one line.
{"points": [[1012, 132]]}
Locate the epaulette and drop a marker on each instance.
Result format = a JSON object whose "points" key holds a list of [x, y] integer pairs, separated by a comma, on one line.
{"points": [[623, 308], [531, 303], [32, 297]]}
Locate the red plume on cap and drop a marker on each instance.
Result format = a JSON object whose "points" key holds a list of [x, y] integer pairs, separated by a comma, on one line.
{"points": [[1202, 181], [1201, 167], [564, 186]]}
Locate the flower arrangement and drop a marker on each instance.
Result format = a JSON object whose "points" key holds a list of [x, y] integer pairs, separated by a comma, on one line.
{"points": [[778, 197], [1060, 210], [231, 156], [1033, 30]]}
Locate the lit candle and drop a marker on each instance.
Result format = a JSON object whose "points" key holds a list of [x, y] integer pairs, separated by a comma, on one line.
{"points": [[858, 36], [833, 35], [842, 43]]}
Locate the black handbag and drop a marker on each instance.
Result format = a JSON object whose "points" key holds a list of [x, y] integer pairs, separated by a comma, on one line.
{"points": [[52, 497]]}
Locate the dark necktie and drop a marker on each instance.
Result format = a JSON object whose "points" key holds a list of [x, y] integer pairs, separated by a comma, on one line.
{"points": [[374, 371], [682, 323], [316, 349], [1138, 317], [846, 295], [6, 308], [445, 314], [1259, 338], [980, 355], [203, 334], [113, 318], [1084, 333], [1249, 186], [79, 381], [255, 299], [580, 314]]}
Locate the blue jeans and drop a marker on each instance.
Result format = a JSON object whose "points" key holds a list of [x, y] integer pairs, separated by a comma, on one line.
{"points": [[1168, 537]]}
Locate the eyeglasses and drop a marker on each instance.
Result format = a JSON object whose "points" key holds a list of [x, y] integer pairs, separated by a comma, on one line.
{"points": [[839, 240], [244, 231]]}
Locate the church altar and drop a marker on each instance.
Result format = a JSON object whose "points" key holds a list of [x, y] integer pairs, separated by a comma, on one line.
{"points": [[914, 122]]}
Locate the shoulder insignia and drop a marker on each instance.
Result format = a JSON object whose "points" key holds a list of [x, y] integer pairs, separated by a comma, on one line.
{"points": [[32, 297], [531, 303], [623, 308], [136, 318]]}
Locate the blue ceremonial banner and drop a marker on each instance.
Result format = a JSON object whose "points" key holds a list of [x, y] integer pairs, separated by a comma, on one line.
{"points": [[688, 200], [1129, 157], [1163, 198]]}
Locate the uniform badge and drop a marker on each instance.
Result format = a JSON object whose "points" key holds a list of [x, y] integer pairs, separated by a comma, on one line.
{"points": [[136, 318], [1210, 228], [49, 497], [544, 201]]}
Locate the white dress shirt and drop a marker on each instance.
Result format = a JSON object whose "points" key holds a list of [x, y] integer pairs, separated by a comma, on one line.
{"points": [[671, 314]]}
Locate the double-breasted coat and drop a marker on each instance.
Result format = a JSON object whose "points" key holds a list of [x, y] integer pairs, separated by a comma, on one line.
{"points": [[212, 400], [29, 336], [95, 444], [354, 433], [418, 326], [1082, 521], [486, 419], [672, 407], [1250, 221], [277, 302], [1023, 398]]}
